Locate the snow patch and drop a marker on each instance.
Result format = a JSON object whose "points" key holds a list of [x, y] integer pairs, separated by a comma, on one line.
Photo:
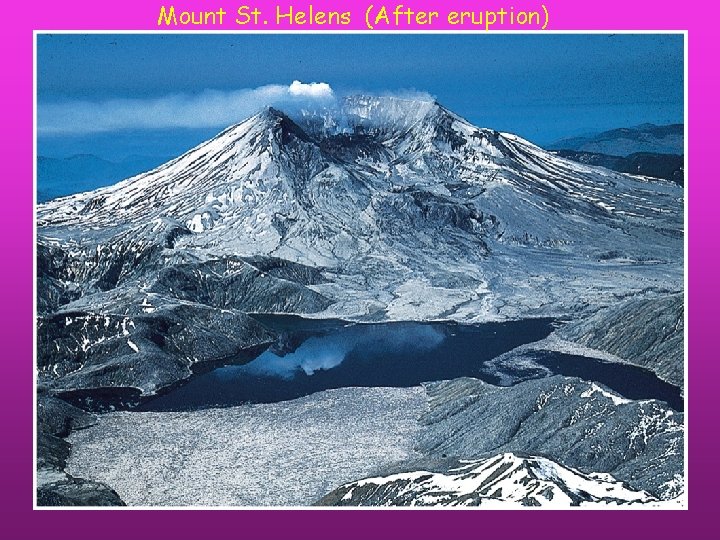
{"points": [[595, 389]]}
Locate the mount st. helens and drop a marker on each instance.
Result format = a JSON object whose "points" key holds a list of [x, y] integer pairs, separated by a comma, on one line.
{"points": [[387, 210], [381, 209]]}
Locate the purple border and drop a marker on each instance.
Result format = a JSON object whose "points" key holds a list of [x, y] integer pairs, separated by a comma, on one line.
{"points": [[20, 521]]}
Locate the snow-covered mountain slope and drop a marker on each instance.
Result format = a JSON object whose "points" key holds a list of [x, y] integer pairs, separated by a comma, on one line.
{"points": [[396, 201], [577, 423], [268, 170], [501, 481], [553, 442]]}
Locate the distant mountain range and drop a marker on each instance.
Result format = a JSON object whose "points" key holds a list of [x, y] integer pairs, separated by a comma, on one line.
{"points": [[58, 177], [666, 166], [645, 150], [626, 141]]}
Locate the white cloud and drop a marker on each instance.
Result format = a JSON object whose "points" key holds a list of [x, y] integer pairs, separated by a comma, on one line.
{"points": [[311, 90], [210, 108]]}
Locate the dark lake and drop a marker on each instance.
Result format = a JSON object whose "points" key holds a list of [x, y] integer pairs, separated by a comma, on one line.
{"points": [[320, 355]]}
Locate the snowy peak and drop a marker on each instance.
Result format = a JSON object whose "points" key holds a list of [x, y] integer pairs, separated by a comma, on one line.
{"points": [[281, 127], [505, 480]]}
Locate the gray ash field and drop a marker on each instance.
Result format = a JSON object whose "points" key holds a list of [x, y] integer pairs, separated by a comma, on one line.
{"points": [[280, 454]]}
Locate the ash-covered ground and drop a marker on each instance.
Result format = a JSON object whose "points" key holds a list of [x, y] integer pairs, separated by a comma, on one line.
{"points": [[281, 454]]}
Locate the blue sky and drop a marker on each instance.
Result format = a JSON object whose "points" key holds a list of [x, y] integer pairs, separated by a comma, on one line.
{"points": [[159, 94]]}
